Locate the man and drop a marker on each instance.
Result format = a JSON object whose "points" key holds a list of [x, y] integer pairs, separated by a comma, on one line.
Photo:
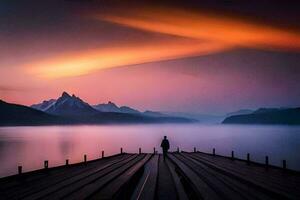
{"points": [[165, 146]]}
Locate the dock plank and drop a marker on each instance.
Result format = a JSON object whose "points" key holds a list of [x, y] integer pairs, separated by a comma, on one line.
{"points": [[146, 187], [166, 187], [181, 193]]}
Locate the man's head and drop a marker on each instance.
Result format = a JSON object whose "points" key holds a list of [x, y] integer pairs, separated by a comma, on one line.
{"points": [[165, 137]]}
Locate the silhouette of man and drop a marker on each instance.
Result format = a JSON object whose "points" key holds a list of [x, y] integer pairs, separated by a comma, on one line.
{"points": [[165, 146]]}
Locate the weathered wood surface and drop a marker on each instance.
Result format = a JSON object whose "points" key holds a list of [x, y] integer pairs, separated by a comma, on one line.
{"points": [[273, 180], [165, 186], [147, 176], [146, 187]]}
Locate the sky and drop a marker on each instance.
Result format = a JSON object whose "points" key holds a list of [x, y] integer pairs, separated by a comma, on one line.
{"points": [[184, 56]]}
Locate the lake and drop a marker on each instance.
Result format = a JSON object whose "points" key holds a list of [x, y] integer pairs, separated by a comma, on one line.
{"points": [[30, 146]]}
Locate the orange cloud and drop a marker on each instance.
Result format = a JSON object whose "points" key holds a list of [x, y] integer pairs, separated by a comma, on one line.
{"points": [[199, 33], [85, 62], [206, 26]]}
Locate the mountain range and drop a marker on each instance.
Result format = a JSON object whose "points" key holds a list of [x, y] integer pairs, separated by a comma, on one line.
{"points": [[112, 107], [68, 105], [70, 109]]}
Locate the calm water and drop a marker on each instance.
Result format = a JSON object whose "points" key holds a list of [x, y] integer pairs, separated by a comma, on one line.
{"points": [[30, 146]]}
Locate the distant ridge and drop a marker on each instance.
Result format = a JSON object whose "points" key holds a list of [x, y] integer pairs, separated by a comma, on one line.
{"points": [[112, 107], [287, 116], [240, 112]]}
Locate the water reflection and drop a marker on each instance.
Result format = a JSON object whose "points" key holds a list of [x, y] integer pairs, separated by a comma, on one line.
{"points": [[30, 146]]}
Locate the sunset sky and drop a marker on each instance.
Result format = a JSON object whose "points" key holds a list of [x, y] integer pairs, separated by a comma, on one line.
{"points": [[197, 56]]}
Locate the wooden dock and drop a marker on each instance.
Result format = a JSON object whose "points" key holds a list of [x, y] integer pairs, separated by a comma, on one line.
{"points": [[182, 175]]}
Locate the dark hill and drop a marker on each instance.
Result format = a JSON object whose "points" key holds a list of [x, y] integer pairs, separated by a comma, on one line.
{"points": [[290, 116], [13, 114]]}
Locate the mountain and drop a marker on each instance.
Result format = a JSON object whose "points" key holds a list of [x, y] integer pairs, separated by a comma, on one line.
{"points": [[288, 116], [111, 107], [13, 114], [240, 112], [67, 105]]}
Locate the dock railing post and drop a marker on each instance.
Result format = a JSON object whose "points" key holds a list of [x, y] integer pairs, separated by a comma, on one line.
{"points": [[195, 150], [248, 158], [267, 161], [140, 150], [121, 150], [46, 164], [84, 158], [177, 149], [284, 164], [214, 151], [154, 151], [19, 169], [67, 161], [102, 154], [232, 155]]}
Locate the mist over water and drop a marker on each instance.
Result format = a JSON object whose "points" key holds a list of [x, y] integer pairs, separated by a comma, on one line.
{"points": [[30, 146]]}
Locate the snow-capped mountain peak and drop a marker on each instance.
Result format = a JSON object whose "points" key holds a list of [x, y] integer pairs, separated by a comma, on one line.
{"points": [[67, 105], [44, 105]]}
